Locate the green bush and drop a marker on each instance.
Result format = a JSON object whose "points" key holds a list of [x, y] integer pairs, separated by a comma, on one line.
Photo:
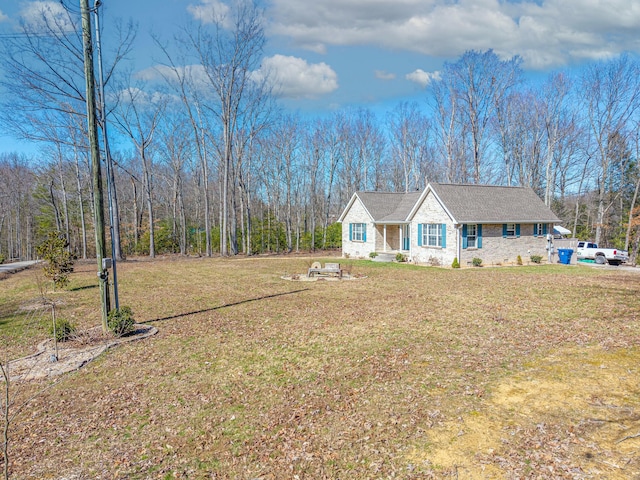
{"points": [[519, 260], [400, 257], [59, 261], [455, 263], [120, 321], [373, 254], [164, 240], [476, 262], [2, 258], [64, 330], [536, 258]]}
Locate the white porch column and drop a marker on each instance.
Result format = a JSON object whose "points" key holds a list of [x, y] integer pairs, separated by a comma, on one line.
{"points": [[400, 238], [384, 238]]}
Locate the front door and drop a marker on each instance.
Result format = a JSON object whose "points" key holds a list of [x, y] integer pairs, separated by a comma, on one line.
{"points": [[406, 239]]}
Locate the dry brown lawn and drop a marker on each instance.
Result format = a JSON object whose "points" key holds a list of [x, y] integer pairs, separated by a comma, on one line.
{"points": [[411, 372]]}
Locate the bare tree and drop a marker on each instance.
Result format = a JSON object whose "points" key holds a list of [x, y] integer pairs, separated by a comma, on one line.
{"points": [[409, 136], [363, 145], [610, 92], [184, 80], [175, 151], [556, 94], [229, 51], [18, 182], [449, 131], [479, 81], [636, 191], [44, 79], [138, 117]]}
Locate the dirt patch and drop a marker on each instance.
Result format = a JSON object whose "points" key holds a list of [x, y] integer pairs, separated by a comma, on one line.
{"points": [[72, 355], [574, 414]]}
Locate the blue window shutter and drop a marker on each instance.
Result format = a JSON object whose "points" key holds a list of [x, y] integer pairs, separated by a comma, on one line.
{"points": [[464, 236], [479, 237], [419, 234], [544, 228], [504, 230], [444, 235], [364, 232], [351, 232], [518, 230]]}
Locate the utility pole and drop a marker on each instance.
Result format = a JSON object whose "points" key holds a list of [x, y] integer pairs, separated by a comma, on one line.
{"points": [[114, 226], [98, 201]]}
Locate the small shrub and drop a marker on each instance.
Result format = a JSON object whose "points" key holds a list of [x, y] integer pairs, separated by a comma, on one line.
{"points": [[476, 262], [120, 321], [400, 257], [2, 258], [455, 263], [373, 254], [536, 258], [519, 260], [434, 261], [59, 261], [64, 330]]}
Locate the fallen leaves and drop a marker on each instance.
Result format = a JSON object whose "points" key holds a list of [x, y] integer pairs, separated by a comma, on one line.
{"points": [[378, 378]]}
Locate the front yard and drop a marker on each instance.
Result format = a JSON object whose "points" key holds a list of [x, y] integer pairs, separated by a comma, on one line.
{"points": [[411, 372]]}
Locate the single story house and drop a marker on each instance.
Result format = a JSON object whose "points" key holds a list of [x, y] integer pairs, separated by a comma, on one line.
{"points": [[447, 221]]}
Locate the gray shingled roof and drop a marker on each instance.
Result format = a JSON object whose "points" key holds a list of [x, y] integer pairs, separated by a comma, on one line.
{"points": [[389, 207], [493, 204], [466, 203]]}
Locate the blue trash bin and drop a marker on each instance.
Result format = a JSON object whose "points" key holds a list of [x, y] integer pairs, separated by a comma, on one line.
{"points": [[564, 255]]}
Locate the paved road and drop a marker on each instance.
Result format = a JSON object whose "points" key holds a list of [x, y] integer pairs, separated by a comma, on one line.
{"points": [[16, 266]]}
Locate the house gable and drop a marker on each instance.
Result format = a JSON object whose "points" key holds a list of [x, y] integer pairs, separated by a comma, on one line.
{"points": [[358, 212], [384, 207], [429, 193]]}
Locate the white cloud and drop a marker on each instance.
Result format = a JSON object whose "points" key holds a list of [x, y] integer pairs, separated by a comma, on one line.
{"points": [[193, 74], [545, 34], [3, 17], [143, 98], [210, 11], [46, 15], [290, 77], [382, 75], [294, 77], [421, 77]]}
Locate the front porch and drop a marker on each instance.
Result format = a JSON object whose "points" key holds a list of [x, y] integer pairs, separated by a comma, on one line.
{"points": [[392, 239]]}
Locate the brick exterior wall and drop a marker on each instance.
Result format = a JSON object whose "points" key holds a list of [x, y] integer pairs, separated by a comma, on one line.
{"points": [[358, 214], [496, 249], [432, 212]]}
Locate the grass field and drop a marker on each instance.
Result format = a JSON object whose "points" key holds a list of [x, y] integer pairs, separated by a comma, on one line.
{"points": [[411, 372]]}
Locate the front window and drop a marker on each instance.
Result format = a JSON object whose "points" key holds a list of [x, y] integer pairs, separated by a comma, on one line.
{"points": [[358, 232], [511, 229], [472, 235], [432, 235], [537, 229]]}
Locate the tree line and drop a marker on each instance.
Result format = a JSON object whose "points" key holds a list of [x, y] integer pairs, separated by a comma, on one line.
{"points": [[206, 162]]}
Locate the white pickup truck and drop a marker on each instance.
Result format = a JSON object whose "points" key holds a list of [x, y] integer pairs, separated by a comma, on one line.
{"points": [[591, 251]]}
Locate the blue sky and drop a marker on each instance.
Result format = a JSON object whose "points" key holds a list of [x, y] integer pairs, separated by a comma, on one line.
{"points": [[331, 54]]}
